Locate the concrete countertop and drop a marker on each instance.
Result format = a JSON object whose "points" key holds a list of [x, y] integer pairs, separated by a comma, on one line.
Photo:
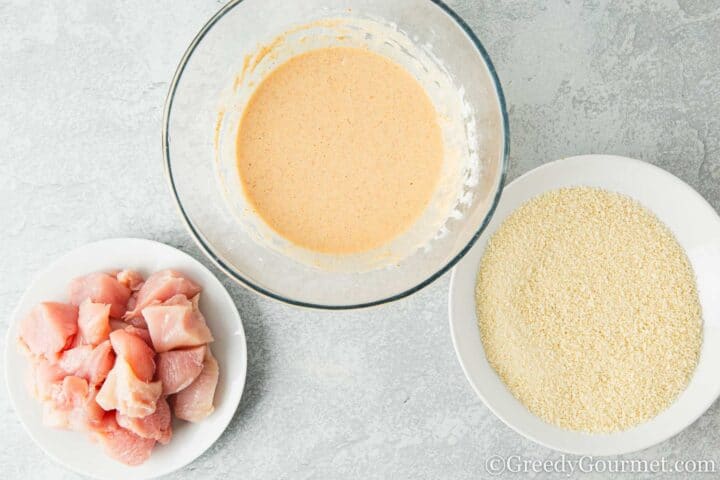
{"points": [[367, 394]]}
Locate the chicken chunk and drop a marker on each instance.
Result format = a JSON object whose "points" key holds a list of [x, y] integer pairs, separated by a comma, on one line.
{"points": [[100, 287], [88, 362], [157, 426], [72, 405], [45, 376], [125, 392], [122, 444], [131, 279], [49, 329], [177, 323], [93, 322], [196, 401], [177, 369], [136, 352], [161, 286]]}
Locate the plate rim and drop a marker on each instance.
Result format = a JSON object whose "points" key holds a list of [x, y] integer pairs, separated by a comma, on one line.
{"points": [[10, 342], [602, 452]]}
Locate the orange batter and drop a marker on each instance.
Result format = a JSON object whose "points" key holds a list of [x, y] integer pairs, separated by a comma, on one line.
{"points": [[339, 150]]}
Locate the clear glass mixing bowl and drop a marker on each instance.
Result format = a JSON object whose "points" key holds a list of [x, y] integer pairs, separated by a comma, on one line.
{"points": [[249, 37]]}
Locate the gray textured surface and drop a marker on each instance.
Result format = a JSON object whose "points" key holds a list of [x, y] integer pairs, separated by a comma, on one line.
{"points": [[368, 394]]}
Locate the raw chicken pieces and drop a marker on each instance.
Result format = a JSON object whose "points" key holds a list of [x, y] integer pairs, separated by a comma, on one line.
{"points": [[161, 286], [122, 444], [99, 363], [196, 401], [49, 329], [128, 388], [100, 288], [136, 352], [45, 376], [72, 405], [93, 322], [131, 279], [112, 360], [178, 368], [156, 426], [141, 332], [88, 362], [125, 392], [177, 323]]}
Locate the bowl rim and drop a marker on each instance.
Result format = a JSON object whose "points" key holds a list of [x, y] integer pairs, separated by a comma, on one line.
{"points": [[230, 271]]}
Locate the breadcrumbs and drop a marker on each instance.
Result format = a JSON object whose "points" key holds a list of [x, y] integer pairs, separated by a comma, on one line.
{"points": [[588, 310]]}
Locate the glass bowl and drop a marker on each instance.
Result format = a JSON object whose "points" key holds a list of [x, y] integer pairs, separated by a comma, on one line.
{"points": [[247, 39]]}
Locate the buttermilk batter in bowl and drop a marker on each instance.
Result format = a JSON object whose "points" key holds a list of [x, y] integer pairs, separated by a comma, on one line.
{"points": [[345, 145], [339, 150]]}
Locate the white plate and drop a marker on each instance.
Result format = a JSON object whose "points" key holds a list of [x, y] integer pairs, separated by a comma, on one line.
{"points": [[696, 226], [75, 450]]}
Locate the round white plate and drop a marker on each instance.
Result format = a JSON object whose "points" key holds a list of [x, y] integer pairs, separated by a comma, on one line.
{"points": [[75, 450], [695, 225]]}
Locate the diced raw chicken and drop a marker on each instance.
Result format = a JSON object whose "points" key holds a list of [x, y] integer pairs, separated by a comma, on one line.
{"points": [[122, 444], [100, 288], [136, 352], [136, 320], [72, 406], [45, 375], [161, 286], [156, 426], [132, 302], [177, 323], [127, 386], [125, 392], [93, 322], [49, 329], [88, 362], [99, 363], [117, 324], [72, 361], [94, 372], [76, 342], [141, 332], [131, 279], [177, 369], [132, 317], [196, 401], [74, 390]]}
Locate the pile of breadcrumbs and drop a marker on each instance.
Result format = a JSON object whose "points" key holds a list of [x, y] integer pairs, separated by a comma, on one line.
{"points": [[588, 310]]}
